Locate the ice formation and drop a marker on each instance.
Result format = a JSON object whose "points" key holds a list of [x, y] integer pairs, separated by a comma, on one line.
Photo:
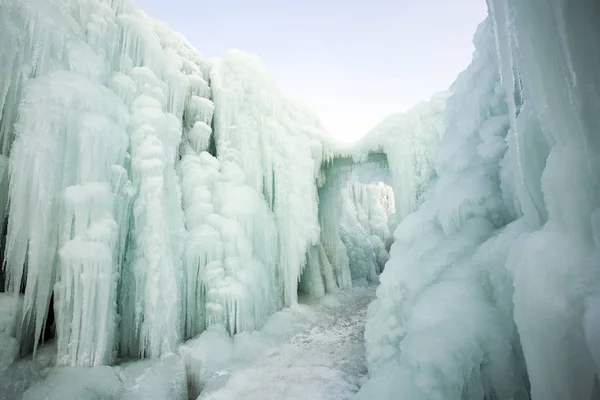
{"points": [[281, 147], [410, 142], [151, 196], [491, 288], [363, 226], [150, 193]]}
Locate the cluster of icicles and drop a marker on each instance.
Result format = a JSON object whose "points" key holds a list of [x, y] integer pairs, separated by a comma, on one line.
{"points": [[150, 193]]}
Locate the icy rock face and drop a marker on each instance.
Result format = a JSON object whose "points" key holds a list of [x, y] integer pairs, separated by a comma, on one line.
{"points": [[492, 285]]}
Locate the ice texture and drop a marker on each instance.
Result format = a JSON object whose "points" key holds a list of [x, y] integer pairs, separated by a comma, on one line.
{"points": [[150, 193], [492, 284], [363, 227], [280, 148], [151, 196], [410, 142]]}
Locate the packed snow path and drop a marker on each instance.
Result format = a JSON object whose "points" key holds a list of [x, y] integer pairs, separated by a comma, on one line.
{"points": [[323, 361]]}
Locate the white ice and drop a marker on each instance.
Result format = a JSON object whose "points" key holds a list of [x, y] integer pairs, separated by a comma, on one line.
{"points": [[491, 287], [163, 206], [323, 360]]}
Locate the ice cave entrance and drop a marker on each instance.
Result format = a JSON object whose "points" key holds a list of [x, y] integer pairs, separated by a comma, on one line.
{"points": [[357, 218]]}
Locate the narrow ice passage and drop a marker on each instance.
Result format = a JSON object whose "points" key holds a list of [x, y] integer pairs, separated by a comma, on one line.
{"points": [[164, 213], [324, 361]]}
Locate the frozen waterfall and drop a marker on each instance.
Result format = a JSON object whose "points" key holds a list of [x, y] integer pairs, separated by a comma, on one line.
{"points": [[150, 193], [491, 288], [163, 212]]}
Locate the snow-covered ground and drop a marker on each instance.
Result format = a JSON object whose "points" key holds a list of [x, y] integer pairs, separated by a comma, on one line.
{"points": [[313, 350], [324, 360]]}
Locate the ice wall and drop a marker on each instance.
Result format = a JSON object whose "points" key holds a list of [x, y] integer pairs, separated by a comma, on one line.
{"points": [[410, 141], [92, 108], [551, 46], [151, 193], [433, 324], [231, 253], [491, 288], [281, 146], [366, 208], [399, 153], [355, 238]]}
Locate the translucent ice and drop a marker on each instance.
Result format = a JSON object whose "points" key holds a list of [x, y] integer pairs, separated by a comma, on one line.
{"points": [[507, 237]]}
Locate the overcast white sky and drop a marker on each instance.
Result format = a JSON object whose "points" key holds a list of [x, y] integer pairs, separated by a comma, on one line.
{"points": [[353, 61]]}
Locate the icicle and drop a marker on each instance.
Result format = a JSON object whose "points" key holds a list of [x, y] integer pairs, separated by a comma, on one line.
{"points": [[277, 153], [201, 108]]}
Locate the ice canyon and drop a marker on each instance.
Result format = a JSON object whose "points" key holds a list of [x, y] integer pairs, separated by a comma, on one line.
{"points": [[163, 210]]}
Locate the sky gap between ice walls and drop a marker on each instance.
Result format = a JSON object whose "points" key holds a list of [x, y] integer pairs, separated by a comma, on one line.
{"points": [[491, 290], [149, 192]]}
